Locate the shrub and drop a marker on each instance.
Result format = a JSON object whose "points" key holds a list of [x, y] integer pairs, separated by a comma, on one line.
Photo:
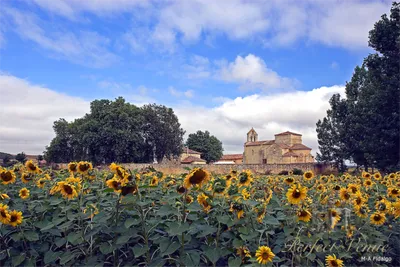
{"points": [[297, 171], [283, 173]]}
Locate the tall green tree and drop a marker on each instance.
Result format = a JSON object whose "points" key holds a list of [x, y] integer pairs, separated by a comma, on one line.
{"points": [[162, 131], [365, 125], [209, 145]]}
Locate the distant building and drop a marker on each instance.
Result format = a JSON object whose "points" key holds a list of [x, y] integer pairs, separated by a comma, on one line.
{"points": [[190, 156], [231, 159], [287, 147]]}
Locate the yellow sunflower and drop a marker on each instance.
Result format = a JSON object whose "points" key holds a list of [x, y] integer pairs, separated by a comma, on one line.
{"points": [[245, 178], [378, 218], [41, 182], [366, 175], [264, 255], [245, 194], [303, 215], [188, 199], [27, 177], [181, 189], [115, 184], [31, 167], [84, 167], [368, 183], [296, 194], [353, 188], [243, 252], [15, 218], [67, 190], [334, 217], [361, 211], [383, 205], [332, 261], [73, 167], [358, 199], [202, 200], [154, 181], [196, 177], [24, 193], [238, 208], [4, 214], [289, 180], [377, 176], [7, 177], [396, 209], [308, 175], [345, 194], [4, 196], [393, 192], [321, 188]]}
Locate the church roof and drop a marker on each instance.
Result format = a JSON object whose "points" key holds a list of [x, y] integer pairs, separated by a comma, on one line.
{"points": [[190, 151], [259, 143], [283, 145], [290, 154], [299, 147], [251, 130], [192, 159], [232, 157], [287, 132]]}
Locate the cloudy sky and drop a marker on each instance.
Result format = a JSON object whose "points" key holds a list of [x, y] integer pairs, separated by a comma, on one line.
{"points": [[224, 66]]}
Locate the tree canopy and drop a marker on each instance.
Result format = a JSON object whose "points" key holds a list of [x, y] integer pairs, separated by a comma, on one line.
{"points": [[21, 157], [208, 145], [117, 131], [364, 126]]}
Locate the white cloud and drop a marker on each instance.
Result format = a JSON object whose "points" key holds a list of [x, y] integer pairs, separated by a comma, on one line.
{"points": [[297, 111], [28, 112], [72, 8], [86, 48], [334, 65], [252, 72], [177, 93]]}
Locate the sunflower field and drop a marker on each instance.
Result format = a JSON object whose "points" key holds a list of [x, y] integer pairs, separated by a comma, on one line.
{"points": [[82, 216]]}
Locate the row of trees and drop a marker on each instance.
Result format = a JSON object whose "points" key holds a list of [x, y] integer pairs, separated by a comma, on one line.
{"points": [[117, 131], [364, 126]]}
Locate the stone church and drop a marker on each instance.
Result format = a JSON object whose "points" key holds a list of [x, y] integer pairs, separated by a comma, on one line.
{"points": [[286, 148]]}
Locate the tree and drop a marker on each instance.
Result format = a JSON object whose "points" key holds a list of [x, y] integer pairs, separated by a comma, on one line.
{"points": [[116, 131], [21, 157], [364, 127], [40, 158], [210, 147], [162, 131]]}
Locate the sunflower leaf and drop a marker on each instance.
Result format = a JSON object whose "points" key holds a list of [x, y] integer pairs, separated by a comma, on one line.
{"points": [[167, 247], [234, 262], [139, 250]]}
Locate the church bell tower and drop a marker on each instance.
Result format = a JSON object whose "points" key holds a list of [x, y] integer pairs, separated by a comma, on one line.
{"points": [[252, 136]]}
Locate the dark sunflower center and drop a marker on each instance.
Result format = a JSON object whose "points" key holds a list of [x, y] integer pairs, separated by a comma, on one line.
{"points": [[6, 176], [333, 213], [354, 190], [296, 193], [181, 190], [368, 182], [308, 175], [72, 167], [115, 184], [197, 177], [334, 263], [31, 166], [346, 195], [382, 206], [228, 177], [289, 180], [125, 190], [395, 191], [13, 218], [68, 189], [243, 179], [337, 187], [377, 217], [363, 210], [302, 213], [265, 255], [358, 201], [3, 213], [23, 193]]}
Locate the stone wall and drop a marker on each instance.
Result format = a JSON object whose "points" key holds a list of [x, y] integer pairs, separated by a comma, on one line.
{"points": [[225, 168]]}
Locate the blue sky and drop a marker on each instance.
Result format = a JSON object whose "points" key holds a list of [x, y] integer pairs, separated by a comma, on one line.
{"points": [[219, 64]]}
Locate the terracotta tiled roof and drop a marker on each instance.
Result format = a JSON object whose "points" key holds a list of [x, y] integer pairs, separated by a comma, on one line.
{"points": [[290, 154], [190, 151], [258, 143], [287, 132], [191, 159], [299, 147], [232, 157], [283, 145]]}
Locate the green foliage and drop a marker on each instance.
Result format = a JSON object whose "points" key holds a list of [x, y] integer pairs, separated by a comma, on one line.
{"points": [[21, 157], [297, 171], [116, 131], [209, 145], [364, 126], [284, 173]]}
